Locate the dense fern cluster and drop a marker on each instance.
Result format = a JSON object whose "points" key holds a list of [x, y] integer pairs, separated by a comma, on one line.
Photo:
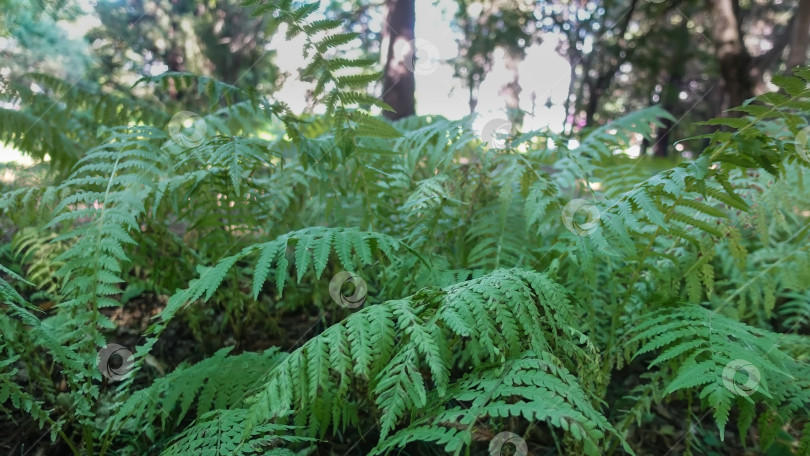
{"points": [[493, 304]]}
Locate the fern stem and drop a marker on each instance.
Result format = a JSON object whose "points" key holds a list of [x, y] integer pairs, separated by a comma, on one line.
{"points": [[619, 310]]}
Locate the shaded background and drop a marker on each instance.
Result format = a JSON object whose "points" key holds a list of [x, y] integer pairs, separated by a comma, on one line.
{"points": [[568, 65]]}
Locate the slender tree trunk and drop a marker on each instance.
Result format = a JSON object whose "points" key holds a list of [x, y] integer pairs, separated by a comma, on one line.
{"points": [[568, 105], [595, 92], [800, 37], [670, 97], [511, 90], [581, 83], [472, 100], [611, 64], [398, 80]]}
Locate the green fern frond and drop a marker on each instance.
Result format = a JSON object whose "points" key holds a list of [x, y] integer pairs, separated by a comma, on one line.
{"points": [[427, 325], [368, 126], [209, 385], [601, 142], [313, 247], [218, 433], [11, 393], [533, 387], [7, 292], [30, 246], [711, 353], [112, 181], [38, 138], [113, 109]]}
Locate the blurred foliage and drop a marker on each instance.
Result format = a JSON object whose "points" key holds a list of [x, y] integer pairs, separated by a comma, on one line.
{"points": [[625, 54], [210, 38], [32, 40]]}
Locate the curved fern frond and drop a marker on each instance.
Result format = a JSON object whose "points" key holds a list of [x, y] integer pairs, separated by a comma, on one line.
{"points": [[218, 434], [209, 385], [494, 317], [113, 181], [727, 360], [533, 387]]}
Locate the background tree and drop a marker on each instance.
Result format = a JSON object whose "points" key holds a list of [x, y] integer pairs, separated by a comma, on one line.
{"points": [[32, 40], [398, 78], [801, 36], [488, 25], [742, 69], [214, 38]]}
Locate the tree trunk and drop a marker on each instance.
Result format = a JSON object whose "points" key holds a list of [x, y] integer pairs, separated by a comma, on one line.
{"points": [[511, 90], [670, 96], [472, 100], [742, 73], [732, 56], [670, 102], [595, 92], [398, 80], [800, 37]]}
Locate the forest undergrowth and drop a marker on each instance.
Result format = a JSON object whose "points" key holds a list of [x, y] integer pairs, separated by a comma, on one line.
{"points": [[250, 281]]}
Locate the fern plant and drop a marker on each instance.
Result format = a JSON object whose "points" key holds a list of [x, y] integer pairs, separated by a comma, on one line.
{"points": [[490, 306]]}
